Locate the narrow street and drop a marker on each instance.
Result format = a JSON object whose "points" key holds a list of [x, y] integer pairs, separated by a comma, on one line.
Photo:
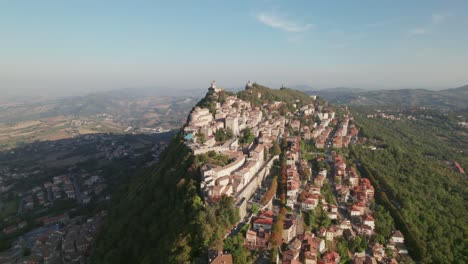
{"points": [[331, 175]]}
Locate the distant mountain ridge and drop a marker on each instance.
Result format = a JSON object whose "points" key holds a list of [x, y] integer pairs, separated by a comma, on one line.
{"points": [[455, 98], [123, 103]]}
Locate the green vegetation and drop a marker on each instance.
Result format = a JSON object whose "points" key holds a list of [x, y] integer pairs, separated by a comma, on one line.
{"points": [[201, 137], [275, 149], [247, 137], [210, 100], [222, 135], [450, 98], [310, 219], [357, 244], [316, 218], [425, 197], [235, 245], [342, 248], [306, 148], [8, 208], [322, 217], [327, 192], [384, 223], [212, 157], [267, 95], [161, 218]]}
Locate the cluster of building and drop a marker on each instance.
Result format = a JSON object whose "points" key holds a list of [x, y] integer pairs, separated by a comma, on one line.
{"points": [[14, 227], [320, 132], [258, 237], [76, 184], [59, 185], [349, 209], [353, 217], [344, 133], [384, 116], [68, 243], [355, 194], [295, 168], [302, 247], [233, 115], [93, 185]]}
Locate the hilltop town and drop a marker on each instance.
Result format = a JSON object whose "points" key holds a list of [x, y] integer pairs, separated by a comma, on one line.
{"points": [[299, 199]]}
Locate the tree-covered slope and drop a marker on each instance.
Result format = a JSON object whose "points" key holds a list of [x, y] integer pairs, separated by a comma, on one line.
{"points": [[426, 197], [160, 218]]}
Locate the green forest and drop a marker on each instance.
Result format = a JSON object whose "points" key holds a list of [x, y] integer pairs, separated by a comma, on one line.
{"points": [[425, 196]]}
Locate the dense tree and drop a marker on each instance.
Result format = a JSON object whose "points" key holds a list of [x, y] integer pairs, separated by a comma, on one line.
{"points": [[201, 137], [270, 192], [311, 219], [421, 193], [323, 219], [275, 149], [222, 135], [247, 136], [383, 221]]}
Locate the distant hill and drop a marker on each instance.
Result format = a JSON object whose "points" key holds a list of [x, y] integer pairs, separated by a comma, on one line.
{"points": [[460, 90], [336, 95], [456, 98], [124, 103]]}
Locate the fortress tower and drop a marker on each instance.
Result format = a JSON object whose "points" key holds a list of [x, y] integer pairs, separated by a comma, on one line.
{"points": [[213, 86], [248, 86], [232, 122]]}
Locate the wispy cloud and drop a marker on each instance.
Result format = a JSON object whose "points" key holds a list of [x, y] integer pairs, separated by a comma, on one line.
{"points": [[383, 23], [282, 23], [417, 31], [439, 18], [374, 24]]}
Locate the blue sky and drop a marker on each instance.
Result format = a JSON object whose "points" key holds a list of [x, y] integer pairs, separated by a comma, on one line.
{"points": [[69, 47]]}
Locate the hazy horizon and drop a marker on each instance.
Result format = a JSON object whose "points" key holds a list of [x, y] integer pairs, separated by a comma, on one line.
{"points": [[56, 48]]}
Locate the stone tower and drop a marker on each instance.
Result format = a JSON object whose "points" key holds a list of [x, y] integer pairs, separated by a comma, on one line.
{"points": [[248, 85], [232, 122]]}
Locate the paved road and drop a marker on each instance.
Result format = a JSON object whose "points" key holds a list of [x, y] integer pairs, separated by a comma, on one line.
{"points": [[331, 173]]}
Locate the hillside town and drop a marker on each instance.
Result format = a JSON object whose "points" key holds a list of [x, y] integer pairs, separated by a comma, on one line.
{"points": [[323, 209], [246, 156]]}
